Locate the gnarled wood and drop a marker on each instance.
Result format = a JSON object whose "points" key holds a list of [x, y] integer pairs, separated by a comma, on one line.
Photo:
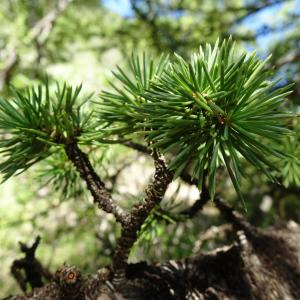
{"points": [[263, 267]]}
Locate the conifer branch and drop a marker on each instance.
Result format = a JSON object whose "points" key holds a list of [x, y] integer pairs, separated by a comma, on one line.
{"points": [[237, 220], [213, 110], [198, 204], [153, 196], [94, 184]]}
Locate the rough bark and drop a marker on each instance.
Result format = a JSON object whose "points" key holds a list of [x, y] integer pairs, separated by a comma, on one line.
{"points": [[260, 265], [131, 222], [94, 184], [139, 213]]}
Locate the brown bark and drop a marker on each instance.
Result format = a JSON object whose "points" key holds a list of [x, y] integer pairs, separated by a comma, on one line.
{"points": [[153, 196], [94, 184], [131, 222], [260, 265]]}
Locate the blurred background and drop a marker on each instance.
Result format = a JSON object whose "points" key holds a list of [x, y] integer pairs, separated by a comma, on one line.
{"points": [[81, 41]]}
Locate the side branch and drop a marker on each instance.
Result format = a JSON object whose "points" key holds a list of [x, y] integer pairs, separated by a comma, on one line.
{"points": [[94, 183], [139, 147], [237, 220], [43, 28], [200, 203], [6, 73], [39, 34], [154, 194], [28, 270], [185, 177]]}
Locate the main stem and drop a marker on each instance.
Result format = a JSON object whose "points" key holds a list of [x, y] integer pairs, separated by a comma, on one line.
{"points": [[132, 222], [153, 196]]}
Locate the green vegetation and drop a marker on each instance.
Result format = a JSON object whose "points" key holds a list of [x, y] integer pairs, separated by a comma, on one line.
{"points": [[221, 115]]}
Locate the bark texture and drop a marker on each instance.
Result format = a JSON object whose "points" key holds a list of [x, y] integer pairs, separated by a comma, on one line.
{"points": [[260, 266], [153, 196], [93, 181]]}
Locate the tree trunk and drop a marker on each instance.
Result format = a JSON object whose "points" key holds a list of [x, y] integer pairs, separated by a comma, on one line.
{"points": [[260, 265]]}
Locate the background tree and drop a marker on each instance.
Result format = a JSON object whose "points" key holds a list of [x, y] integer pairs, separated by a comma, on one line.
{"points": [[82, 45]]}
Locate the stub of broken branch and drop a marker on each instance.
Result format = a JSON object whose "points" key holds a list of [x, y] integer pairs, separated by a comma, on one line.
{"points": [[70, 282], [28, 270], [266, 267]]}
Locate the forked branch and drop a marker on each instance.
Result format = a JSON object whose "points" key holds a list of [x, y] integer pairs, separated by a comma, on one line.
{"points": [[132, 222], [129, 234]]}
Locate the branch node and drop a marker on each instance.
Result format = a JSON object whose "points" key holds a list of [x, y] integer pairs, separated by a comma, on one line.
{"points": [[134, 221]]}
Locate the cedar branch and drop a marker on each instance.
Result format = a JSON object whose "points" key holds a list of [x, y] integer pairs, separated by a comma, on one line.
{"points": [[129, 234], [94, 184], [236, 219], [186, 177]]}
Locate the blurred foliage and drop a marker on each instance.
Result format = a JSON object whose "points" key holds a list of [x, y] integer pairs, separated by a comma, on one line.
{"points": [[82, 44]]}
